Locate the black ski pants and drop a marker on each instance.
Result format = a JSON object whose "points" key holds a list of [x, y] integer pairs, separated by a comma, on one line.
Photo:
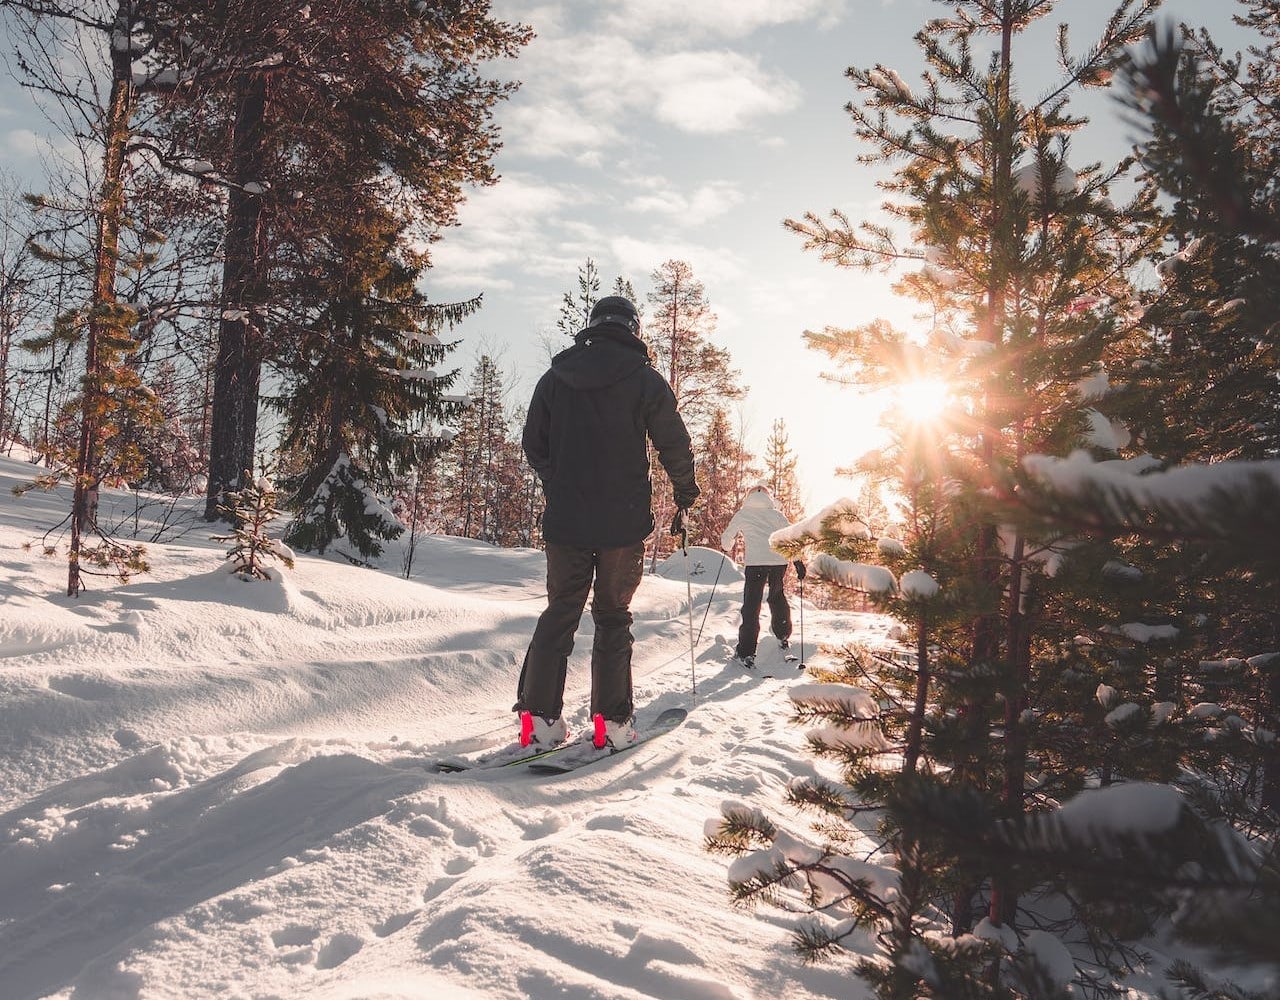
{"points": [[779, 610], [570, 572]]}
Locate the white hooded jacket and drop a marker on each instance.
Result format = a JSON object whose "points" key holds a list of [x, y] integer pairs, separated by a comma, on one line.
{"points": [[757, 519]]}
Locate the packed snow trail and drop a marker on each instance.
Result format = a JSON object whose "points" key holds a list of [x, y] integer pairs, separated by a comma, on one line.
{"points": [[213, 788]]}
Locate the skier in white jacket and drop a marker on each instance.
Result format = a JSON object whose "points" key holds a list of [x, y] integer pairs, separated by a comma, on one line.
{"points": [[756, 520]]}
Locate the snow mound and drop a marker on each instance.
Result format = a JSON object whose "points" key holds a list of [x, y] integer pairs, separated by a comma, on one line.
{"points": [[702, 565]]}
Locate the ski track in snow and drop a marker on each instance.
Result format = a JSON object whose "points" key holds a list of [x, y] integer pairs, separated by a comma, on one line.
{"points": [[212, 788]]}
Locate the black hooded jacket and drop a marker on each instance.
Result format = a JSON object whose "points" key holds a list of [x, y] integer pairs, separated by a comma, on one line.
{"points": [[586, 435]]}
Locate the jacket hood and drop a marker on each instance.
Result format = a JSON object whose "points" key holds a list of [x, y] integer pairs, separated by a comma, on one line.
{"points": [[758, 496], [600, 357]]}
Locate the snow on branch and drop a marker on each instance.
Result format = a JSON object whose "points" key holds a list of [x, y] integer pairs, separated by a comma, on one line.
{"points": [[852, 575], [1234, 501], [839, 520]]}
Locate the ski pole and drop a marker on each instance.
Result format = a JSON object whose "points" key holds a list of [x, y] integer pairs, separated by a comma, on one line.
{"points": [[678, 528], [802, 623], [716, 583]]}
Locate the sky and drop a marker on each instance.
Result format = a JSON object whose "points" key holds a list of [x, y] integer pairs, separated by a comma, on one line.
{"points": [[646, 130], [651, 129]]}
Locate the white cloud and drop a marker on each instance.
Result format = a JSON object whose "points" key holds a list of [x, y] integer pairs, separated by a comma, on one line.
{"points": [[554, 128], [589, 91], [519, 227], [505, 228], [725, 18], [711, 265], [707, 202], [22, 143], [716, 92]]}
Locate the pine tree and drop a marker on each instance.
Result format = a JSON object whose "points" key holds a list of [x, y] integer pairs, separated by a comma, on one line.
{"points": [[723, 465], [1202, 388], [780, 472], [112, 393], [488, 494], [575, 307], [367, 385], [269, 97], [251, 510], [575, 310], [1023, 271], [698, 371]]}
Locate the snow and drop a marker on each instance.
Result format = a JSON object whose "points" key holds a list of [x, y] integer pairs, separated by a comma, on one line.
{"points": [[1122, 714], [890, 547], [1137, 808], [1110, 435], [703, 565], [1029, 178], [919, 584], [889, 82], [1004, 934], [1170, 266], [855, 576], [841, 516], [1052, 955], [1192, 486], [211, 788], [851, 700], [1144, 634]]}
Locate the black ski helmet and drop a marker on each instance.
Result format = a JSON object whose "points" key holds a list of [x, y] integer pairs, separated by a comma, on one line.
{"points": [[616, 309]]}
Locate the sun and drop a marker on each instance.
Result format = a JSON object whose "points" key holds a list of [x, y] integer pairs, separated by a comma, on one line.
{"points": [[922, 401]]}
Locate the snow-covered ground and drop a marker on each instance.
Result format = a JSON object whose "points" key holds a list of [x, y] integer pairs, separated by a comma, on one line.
{"points": [[217, 788]]}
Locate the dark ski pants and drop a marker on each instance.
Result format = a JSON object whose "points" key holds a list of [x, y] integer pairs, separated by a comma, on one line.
{"points": [[570, 571], [779, 610]]}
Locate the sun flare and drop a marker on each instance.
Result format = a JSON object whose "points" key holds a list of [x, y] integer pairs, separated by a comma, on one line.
{"points": [[922, 400]]}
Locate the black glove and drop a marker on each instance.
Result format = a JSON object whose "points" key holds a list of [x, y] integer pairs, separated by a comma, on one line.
{"points": [[677, 522], [686, 500], [801, 572]]}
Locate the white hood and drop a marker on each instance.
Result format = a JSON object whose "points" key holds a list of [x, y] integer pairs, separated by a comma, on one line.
{"points": [[757, 519]]}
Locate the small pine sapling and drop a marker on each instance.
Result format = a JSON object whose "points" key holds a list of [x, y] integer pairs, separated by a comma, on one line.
{"points": [[251, 510]]}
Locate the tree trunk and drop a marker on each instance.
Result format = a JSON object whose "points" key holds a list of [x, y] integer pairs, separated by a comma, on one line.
{"points": [[1271, 754], [1003, 901], [237, 370], [911, 755], [84, 503]]}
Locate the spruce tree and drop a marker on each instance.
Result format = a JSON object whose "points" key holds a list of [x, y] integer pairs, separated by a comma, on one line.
{"points": [[723, 464], [267, 97], [1024, 259], [367, 388], [780, 471], [697, 370]]}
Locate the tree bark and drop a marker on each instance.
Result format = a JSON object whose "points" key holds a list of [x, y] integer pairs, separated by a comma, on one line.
{"points": [[911, 755], [84, 503], [237, 370]]}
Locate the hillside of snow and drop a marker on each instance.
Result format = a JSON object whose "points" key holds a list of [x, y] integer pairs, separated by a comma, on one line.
{"points": [[217, 788]]}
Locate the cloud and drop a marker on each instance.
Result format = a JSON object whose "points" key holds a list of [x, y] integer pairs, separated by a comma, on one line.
{"points": [[557, 129], [724, 18], [705, 203], [637, 258], [519, 228], [22, 143], [593, 89], [715, 92]]}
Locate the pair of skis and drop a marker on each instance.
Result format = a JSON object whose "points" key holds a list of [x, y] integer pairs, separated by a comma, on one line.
{"points": [[563, 757]]}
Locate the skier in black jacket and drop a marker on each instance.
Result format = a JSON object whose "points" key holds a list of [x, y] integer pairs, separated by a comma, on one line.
{"points": [[586, 435]]}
